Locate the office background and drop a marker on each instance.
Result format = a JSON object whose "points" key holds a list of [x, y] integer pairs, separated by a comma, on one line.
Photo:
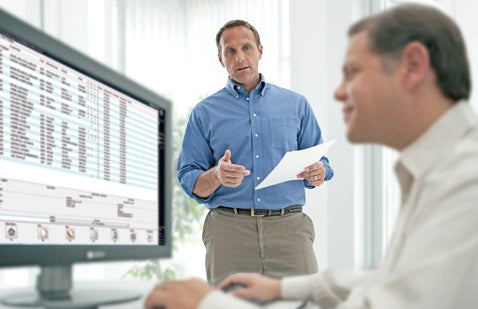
{"points": [[168, 46]]}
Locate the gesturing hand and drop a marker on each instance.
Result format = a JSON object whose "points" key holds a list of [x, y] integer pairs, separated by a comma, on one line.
{"points": [[228, 174]]}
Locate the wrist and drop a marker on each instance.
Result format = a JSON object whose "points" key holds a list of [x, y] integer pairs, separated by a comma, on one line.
{"points": [[216, 176], [278, 289]]}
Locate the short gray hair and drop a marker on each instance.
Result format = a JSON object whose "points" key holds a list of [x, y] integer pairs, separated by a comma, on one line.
{"points": [[236, 23], [391, 30]]}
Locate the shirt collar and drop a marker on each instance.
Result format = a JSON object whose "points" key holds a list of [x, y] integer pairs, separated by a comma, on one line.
{"points": [[422, 155], [236, 89]]}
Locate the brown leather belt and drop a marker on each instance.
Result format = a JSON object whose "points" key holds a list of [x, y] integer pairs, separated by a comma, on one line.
{"points": [[261, 212]]}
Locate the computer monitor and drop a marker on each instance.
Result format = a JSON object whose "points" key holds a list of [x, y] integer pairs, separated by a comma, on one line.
{"points": [[85, 166]]}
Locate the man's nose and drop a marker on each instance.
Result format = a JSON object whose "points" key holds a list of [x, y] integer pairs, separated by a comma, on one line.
{"points": [[340, 94], [239, 57]]}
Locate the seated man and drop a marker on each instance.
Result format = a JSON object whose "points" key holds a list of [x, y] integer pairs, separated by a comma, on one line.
{"points": [[405, 79]]}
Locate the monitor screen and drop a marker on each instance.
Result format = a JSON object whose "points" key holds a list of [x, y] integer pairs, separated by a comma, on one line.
{"points": [[84, 159]]}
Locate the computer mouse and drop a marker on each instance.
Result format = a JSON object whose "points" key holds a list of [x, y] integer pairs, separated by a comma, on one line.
{"points": [[232, 287], [235, 286]]}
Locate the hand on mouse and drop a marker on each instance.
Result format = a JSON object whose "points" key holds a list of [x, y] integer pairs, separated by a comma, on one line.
{"points": [[177, 294], [252, 286]]}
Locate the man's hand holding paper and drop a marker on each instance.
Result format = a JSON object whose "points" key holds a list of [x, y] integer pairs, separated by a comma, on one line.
{"points": [[314, 173], [298, 165]]}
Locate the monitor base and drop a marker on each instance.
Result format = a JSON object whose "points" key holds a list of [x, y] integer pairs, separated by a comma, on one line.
{"points": [[54, 291], [78, 299]]}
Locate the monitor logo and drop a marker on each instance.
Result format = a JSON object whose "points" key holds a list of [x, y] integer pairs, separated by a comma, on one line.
{"points": [[92, 255]]}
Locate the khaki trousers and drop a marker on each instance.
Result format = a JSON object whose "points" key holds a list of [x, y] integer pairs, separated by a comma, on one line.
{"points": [[275, 246]]}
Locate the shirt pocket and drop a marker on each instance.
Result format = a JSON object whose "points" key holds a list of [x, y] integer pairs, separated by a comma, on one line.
{"points": [[284, 132]]}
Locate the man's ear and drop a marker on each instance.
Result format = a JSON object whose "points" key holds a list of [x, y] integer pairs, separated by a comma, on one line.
{"points": [[416, 63], [219, 56]]}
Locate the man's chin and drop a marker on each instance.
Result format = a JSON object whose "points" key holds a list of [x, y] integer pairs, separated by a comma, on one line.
{"points": [[355, 138]]}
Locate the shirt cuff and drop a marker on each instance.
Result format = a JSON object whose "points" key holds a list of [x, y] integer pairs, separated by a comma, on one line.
{"points": [[295, 288], [307, 287], [188, 181]]}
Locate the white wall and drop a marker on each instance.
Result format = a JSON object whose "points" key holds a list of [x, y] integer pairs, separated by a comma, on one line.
{"points": [[318, 43], [26, 10], [465, 14]]}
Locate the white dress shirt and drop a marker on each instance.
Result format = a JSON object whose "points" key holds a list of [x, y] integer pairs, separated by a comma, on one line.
{"points": [[432, 258]]}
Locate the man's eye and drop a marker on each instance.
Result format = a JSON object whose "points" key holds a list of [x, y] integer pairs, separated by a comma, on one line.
{"points": [[350, 72]]}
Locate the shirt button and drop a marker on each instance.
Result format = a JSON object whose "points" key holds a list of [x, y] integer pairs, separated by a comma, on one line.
{"points": [[247, 98], [258, 199], [257, 156], [258, 178], [257, 135], [254, 115]]}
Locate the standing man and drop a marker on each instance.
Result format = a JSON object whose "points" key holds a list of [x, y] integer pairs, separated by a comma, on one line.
{"points": [[405, 79], [233, 139]]}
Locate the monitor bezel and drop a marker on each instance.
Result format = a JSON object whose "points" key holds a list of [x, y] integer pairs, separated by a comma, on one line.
{"points": [[50, 255]]}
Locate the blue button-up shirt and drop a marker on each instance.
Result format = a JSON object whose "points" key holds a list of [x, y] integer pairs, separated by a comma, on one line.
{"points": [[259, 128]]}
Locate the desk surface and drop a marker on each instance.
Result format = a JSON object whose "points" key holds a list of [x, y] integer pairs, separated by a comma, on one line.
{"points": [[136, 286], [141, 287]]}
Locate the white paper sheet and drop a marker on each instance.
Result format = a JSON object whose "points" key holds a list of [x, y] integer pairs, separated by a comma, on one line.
{"points": [[293, 163]]}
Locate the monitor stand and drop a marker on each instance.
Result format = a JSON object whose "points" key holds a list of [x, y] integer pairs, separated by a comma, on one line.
{"points": [[53, 292]]}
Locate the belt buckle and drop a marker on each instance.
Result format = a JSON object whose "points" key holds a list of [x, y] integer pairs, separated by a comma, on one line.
{"points": [[253, 213]]}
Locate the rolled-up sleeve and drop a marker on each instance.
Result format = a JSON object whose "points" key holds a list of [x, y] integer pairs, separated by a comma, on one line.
{"points": [[195, 157], [327, 289], [311, 135]]}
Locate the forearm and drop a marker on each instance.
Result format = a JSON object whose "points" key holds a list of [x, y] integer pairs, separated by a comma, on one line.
{"points": [[206, 183]]}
